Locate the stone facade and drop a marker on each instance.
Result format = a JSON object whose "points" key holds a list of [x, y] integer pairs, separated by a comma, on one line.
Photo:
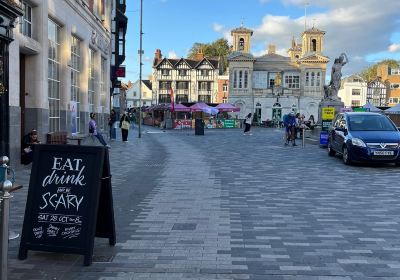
{"points": [[273, 85], [47, 73]]}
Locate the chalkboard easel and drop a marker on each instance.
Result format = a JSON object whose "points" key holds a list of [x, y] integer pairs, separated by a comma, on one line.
{"points": [[69, 201]]}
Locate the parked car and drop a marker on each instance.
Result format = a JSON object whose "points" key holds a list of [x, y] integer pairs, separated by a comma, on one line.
{"points": [[364, 136]]}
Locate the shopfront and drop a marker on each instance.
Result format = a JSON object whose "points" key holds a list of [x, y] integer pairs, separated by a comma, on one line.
{"points": [[8, 13]]}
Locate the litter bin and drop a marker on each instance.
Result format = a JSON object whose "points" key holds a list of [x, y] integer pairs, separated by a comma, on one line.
{"points": [[199, 127]]}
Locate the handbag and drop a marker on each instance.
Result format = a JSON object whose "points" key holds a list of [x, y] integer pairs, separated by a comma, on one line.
{"points": [[125, 125]]}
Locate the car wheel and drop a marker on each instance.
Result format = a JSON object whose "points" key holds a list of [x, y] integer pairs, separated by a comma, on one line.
{"points": [[331, 152], [346, 156]]}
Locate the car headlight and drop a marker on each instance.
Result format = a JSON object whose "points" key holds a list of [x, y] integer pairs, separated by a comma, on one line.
{"points": [[358, 142]]}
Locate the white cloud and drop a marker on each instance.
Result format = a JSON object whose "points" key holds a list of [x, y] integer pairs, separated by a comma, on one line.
{"points": [[394, 48], [218, 27], [172, 54], [358, 28]]}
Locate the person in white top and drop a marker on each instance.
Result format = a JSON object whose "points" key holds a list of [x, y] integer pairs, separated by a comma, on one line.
{"points": [[247, 125]]}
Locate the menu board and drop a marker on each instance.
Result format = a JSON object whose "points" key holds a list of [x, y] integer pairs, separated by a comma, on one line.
{"points": [[63, 200]]}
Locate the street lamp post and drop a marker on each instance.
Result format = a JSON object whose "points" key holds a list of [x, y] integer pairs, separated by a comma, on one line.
{"points": [[140, 71]]}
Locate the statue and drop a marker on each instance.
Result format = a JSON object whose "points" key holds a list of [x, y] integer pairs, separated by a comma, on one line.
{"points": [[336, 76]]}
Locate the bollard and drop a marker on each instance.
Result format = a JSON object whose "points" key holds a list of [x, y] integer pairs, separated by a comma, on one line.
{"points": [[5, 212], [303, 143], [6, 187]]}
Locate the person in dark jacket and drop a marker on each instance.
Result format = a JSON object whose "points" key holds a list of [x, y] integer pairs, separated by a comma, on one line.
{"points": [[290, 126], [28, 143], [124, 124], [111, 121], [247, 125]]}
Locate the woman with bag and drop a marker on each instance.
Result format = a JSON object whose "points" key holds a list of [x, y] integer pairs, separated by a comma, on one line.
{"points": [[124, 124]]}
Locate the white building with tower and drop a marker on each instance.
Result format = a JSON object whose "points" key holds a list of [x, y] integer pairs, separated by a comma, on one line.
{"points": [[272, 85]]}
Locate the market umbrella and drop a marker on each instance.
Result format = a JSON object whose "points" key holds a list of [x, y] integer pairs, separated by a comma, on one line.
{"points": [[198, 107], [179, 108], [393, 110], [371, 107], [210, 110], [226, 107]]}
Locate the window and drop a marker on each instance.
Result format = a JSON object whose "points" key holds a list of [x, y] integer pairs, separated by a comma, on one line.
{"points": [[75, 77], [224, 87], [245, 79], [182, 85], [205, 72], [54, 75], [182, 72], [235, 79], [25, 22], [318, 82], [271, 80], [395, 71], [92, 79], [393, 100], [103, 91], [204, 86], [313, 45], [356, 91], [394, 86], [240, 79], [292, 81], [307, 79], [312, 79], [355, 103], [260, 79], [165, 72], [241, 44], [165, 85]]}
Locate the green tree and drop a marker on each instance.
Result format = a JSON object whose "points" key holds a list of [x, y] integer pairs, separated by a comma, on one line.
{"points": [[370, 73], [216, 49]]}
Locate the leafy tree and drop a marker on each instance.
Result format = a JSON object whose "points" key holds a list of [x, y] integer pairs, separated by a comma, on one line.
{"points": [[218, 48], [370, 73]]}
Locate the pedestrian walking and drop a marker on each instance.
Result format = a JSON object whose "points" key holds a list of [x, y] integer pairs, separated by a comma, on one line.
{"points": [[93, 130], [247, 125], [111, 122], [124, 124]]}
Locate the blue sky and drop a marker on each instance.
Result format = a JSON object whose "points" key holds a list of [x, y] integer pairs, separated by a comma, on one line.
{"points": [[367, 30]]}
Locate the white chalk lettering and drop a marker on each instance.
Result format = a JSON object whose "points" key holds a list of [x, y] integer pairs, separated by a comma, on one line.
{"points": [[66, 201]]}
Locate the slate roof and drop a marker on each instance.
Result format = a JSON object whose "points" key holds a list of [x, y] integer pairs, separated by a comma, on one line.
{"points": [[147, 84], [192, 62]]}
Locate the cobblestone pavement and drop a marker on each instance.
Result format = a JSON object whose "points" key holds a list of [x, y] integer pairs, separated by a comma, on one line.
{"points": [[229, 206]]}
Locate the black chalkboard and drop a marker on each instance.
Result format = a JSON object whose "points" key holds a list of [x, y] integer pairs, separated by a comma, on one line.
{"points": [[69, 188]]}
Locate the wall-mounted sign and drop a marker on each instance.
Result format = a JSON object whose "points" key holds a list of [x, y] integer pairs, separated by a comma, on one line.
{"points": [[120, 72]]}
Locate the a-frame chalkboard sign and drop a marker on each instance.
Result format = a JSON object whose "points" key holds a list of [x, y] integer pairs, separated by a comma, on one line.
{"points": [[69, 201]]}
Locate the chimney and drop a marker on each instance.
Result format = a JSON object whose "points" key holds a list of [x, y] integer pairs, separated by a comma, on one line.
{"points": [[271, 49], [199, 55]]}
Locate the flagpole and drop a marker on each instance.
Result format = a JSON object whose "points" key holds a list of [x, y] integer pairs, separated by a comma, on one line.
{"points": [[140, 71]]}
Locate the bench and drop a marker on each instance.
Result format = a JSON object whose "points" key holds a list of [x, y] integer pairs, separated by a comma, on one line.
{"points": [[57, 137]]}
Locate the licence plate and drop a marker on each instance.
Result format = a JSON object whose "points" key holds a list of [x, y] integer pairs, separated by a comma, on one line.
{"points": [[383, 153]]}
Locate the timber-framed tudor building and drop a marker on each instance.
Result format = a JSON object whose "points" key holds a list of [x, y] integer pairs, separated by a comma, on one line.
{"points": [[192, 80]]}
